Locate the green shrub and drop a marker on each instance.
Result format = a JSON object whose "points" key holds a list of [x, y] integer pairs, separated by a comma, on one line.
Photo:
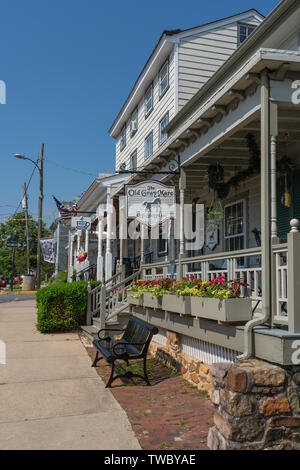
{"points": [[62, 306]]}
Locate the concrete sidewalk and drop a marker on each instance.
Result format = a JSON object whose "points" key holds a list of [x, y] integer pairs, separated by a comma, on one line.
{"points": [[50, 397]]}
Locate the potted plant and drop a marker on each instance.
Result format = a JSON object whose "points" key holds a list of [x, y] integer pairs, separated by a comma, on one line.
{"points": [[220, 300]]}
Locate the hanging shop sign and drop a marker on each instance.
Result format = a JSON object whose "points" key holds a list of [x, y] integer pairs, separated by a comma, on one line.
{"points": [[47, 246], [81, 223], [150, 202], [212, 236]]}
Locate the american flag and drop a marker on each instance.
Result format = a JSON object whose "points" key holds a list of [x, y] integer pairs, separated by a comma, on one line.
{"points": [[66, 210]]}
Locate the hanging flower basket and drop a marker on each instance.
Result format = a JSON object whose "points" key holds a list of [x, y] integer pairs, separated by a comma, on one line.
{"points": [[215, 216]]}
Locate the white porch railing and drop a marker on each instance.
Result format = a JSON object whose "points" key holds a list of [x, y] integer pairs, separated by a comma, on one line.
{"points": [[242, 264]]}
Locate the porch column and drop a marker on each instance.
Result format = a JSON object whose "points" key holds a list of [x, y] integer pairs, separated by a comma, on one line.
{"points": [[293, 280], [182, 187], [266, 247], [274, 133], [70, 255], [143, 236], [172, 247], [100, 238], [108, 255], [122, 228], [86, 245], [57, 248], [78, 239]]}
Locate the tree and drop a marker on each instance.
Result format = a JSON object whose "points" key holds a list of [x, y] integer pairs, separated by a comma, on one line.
{"points": [[15, 227]]}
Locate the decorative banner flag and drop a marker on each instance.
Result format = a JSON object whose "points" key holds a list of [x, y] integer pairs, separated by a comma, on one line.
{"points": [[47, 246]]}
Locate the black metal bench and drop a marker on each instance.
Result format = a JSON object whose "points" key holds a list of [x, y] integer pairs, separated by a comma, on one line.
{"points": [[133, 345]]}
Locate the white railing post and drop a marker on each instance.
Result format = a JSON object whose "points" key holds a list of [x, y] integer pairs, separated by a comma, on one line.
{"points": [[294, 277], [89, 305], [102, 306]]}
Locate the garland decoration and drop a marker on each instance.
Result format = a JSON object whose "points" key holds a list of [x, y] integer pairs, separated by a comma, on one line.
{"points": [[215, 172]]}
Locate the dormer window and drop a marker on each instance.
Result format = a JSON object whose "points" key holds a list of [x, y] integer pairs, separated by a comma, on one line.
{"points": [[149, 100], [163, 78], [123, 138], [244, 30], [134, 122]]}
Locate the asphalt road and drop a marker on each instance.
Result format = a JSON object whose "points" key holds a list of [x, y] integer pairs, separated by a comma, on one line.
{"points": [[11, 297]]}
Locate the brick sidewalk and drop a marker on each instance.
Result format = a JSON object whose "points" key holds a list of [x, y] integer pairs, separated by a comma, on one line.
{"points": [[171, 414]]}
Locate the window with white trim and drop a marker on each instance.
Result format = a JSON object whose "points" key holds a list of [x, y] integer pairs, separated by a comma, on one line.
{"points": [[244, 30], [134, 122], [148, 99], [162, 124], [133, 160], [235, 226], [123, 138], [149, 145], [162, 242], [163, 78]]}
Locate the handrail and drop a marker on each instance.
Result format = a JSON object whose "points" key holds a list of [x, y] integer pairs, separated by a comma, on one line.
{"points": [[104, 283], [214, 256], [82, 271], [124, 281]]}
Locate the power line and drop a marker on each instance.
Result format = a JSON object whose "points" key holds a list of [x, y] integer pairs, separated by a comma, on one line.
{"points": [[70, 169]]}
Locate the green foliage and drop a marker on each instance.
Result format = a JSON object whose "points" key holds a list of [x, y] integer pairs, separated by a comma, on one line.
{"points": [[62, 306], [61, 277], [16, 226]]}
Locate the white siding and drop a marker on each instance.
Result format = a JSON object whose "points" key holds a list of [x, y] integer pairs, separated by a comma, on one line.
{"points": [[200, 56], [146, 125], [292, 43]]}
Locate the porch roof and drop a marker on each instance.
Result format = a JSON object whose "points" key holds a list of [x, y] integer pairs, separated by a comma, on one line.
{"points": [[233, 107]]}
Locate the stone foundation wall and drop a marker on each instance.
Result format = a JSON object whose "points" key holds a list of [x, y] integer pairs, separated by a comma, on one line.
{"points": [[257, 406], [195, 372]]}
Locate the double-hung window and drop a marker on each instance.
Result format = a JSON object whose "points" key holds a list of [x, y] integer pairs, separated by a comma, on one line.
{"points": [[133, 160], [244, 30], [163, 78], [149, 145], [162, 124], [162, 245], [123, 138], [148, 99], [134, 122], [235, 226]]}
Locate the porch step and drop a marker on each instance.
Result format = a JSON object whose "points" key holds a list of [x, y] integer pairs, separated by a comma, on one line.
{"points": [[89, 331]]}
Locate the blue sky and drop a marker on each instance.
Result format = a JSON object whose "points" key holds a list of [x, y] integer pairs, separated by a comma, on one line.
{"points": [[68, 66]]}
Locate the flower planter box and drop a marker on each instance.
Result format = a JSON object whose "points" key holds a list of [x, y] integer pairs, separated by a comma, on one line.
{"points": [[177, 304], [224, 310], [152, 302], [132, 301]]}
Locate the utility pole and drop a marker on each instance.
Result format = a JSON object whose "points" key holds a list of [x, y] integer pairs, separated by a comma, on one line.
{"points": [[40, 216], [38, 260], [27, 228]]}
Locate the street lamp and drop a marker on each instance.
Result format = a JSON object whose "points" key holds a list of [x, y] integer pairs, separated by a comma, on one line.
{"points": [[41, 196]]}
